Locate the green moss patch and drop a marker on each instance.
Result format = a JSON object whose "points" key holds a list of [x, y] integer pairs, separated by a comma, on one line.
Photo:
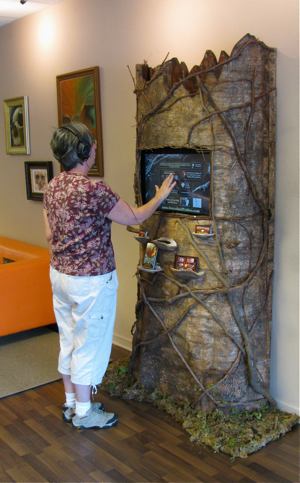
{"points": [[237, 434]]}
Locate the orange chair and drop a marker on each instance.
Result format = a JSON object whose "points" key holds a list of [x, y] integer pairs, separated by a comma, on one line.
{"points": [[25, 289]]}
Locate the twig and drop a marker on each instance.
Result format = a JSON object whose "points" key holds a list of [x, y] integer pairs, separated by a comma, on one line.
{"points": [[133, 79], [174, 346]]}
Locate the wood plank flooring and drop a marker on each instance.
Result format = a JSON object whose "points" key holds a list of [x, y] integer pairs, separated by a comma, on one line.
{"points": [[146, 446]]}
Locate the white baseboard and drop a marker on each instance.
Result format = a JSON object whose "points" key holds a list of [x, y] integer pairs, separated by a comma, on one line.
{"points": [[289, 408], [122, 342]]}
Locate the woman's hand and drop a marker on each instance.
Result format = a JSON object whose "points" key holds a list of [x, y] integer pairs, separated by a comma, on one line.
{"points": [[124, 214], [163, 192]]}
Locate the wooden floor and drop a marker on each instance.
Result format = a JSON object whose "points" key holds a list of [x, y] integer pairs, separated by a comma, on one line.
{"points": [[146, 445]]}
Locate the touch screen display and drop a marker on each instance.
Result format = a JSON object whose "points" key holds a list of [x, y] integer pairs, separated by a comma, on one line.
{"points": [[191, 170]]}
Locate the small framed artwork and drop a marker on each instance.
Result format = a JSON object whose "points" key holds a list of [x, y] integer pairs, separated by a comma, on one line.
{"points": [[78, 100], [37, 174], [203, 229], [150, 256], [186, 263], [17, 125]]}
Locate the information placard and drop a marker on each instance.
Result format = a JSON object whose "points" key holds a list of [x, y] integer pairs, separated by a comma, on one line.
{"points": [[191, 170]]}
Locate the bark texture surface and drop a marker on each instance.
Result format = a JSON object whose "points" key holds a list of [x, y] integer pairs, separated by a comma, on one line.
{"points": [[207, 339]]}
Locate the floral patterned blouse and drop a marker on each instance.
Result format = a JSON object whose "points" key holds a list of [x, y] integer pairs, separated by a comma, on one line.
{"points": [[77, 210]]}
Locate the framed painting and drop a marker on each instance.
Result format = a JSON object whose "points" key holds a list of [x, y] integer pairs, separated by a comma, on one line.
{"points": [[78, 100], [38, 175], [17, 125]]}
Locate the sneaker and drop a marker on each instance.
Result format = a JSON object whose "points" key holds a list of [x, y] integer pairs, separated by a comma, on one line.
{"points": [[95, 418], [69, 413]]}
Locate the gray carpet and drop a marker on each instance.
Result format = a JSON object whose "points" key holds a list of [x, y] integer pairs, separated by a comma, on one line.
{"points": [[27, 360]]}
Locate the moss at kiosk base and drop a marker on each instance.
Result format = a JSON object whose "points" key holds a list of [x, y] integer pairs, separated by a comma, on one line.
{"points": [[237, 434]]}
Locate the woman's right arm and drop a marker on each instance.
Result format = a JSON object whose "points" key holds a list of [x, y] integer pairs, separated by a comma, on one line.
{"points": [[125, 214]]}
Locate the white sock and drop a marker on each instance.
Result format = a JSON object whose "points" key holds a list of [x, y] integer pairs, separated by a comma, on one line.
{"points": [[70, 399], [82, 408]]}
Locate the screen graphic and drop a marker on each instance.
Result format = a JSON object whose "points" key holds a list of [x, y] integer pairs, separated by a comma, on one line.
{"points": [[191, 170]]}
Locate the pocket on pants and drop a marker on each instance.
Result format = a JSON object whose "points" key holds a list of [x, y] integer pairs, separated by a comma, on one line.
{"points": [[112, 284], [111, 288], [97, 325]]}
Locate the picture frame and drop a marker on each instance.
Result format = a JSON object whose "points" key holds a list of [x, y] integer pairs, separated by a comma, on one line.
{"points": [[150, 256], [186, 262], [37, 175], [17, 125], [203, 229], [78, 100]]}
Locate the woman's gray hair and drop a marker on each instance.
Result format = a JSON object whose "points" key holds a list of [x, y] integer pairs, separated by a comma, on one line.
{"points": [[64, 144]]}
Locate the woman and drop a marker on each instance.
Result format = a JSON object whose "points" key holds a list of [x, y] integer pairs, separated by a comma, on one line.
{"points": [[78, 213]]}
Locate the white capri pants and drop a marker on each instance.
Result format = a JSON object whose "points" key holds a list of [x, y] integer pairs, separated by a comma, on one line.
{"points": [[85, 310]]}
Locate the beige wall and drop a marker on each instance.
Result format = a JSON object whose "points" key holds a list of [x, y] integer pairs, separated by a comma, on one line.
{"points": [[77, 34]]}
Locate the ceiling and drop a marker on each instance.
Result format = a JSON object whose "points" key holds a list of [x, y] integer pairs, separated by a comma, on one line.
{"points": [[11, 10]]}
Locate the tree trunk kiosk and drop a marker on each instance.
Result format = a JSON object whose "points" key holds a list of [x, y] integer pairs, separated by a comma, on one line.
{"points": [[203, 314]]}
